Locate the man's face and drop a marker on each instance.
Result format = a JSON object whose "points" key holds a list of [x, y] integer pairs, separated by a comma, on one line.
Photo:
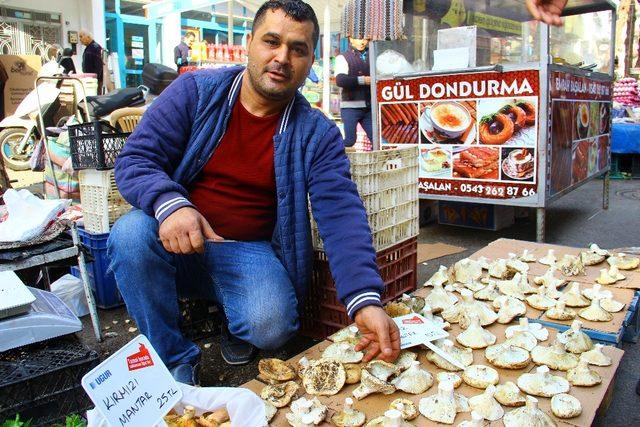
{"points": [[190, 40], [359, 44], [84, 39], [280, 54]]}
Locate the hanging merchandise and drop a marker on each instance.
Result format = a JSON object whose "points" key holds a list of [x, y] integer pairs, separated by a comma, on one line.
{"points": [[372, 19]]}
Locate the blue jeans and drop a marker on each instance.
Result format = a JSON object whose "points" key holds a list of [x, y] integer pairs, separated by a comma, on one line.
{"points": [[351, 117], [246, 278]]}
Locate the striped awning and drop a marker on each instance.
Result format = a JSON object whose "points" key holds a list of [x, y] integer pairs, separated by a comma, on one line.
{"points": [[372, 19]]}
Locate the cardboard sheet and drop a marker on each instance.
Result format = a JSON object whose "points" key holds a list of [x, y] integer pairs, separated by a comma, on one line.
{"points": [[429, 251]]}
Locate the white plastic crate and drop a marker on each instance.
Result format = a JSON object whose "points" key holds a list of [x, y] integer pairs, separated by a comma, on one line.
{"points": [[102, 203], [375, 171]]}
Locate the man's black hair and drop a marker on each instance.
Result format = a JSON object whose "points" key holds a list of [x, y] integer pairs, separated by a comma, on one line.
{"points": [[297, 10]]}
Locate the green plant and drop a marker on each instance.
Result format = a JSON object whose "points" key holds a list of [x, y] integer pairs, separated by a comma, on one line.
{"points": [[73, 420], [16, 423]]}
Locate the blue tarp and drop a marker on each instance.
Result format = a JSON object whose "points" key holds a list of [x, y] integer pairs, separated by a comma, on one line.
{"points": [[625, 138]]}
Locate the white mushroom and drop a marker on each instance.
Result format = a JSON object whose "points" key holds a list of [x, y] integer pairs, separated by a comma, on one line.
{"points": [[467, 271], [541, 300], [596, 250], [279, 395], [517, 265], [488, 293], [406, 408], [353, 372], [549, 258], [439, 278], [477, 420], [574, 340], [369, 384], [304, 412], [582, 375], [480, 376], [474, 286], [324, 377], [348, 417], [597, 292], [507, 356], [342, 352], [463, 356], [542, 383], [449, 376], [475, 336], [573, 297], [595, 312], [414, 302], [528, 415], [498, 269], [427, 313], [350, 334], [440, 299], [611, 305], [509, 308], [414, 380], [564, 406], [486, 405], [597, 357], [554, 356], [605, 278], [591, 258], [624, 262], [443, 406], [508, 394], [541, 333], [382, 370], [560, 312], [527, 256], [391, 418], [523, 339], [275, 371], [397, 309], [458, 312], [405, 359], [550, 282], [571, 265], [615, 273], [270, 411], [512, 287], [484, 262]]}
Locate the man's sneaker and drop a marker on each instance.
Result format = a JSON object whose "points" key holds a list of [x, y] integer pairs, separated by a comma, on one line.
{"points": [[235, 351], [186, 373]]}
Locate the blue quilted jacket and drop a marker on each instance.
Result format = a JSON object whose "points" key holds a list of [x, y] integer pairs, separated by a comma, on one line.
{"points": [[178, 135]]}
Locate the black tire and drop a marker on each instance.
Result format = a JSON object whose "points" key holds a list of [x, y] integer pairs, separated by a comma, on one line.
{"points": [[8, 140]]}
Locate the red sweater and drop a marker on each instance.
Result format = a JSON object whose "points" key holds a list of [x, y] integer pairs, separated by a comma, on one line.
{"points": [[236, 190]]}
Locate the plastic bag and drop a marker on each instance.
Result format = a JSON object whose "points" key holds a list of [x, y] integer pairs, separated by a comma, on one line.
{"points": [[71, 291], [245, 408], [391, 62], [28, 215]]}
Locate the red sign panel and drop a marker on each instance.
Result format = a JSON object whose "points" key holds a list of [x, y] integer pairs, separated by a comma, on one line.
{"points": [[139, 360]]}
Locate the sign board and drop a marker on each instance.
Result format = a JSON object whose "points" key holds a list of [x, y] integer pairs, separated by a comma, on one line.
{"points": [[580, 142], [21, 73], [132, 387], [416, 330], [477, 133]]}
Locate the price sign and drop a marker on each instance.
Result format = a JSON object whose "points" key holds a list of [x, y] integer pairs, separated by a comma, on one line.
{"points": [[133, 387], [416, 329]]}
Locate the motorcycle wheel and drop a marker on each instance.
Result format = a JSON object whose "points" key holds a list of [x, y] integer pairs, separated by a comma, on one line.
{"points": [[9, 141]]}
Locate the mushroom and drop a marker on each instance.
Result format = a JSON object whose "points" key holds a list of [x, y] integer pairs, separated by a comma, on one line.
{"points": [[560, 312], [302, 366], [512, 287], [517, 265], [582, 375], [350, 334], [541, 333], [187, 419], [523, 339], [605, 278], [414, 380], [443, 406], [414, 302], [488, 293], [324, 377], [449, 376], [591, 258], [611, 305], [405, 359], [352, 373], [440, 299], [509, 308], [564, 406], [498, 269], [486, 405], [477, 420], [306, 412], [382, 370], [597, 357], [528, 415], [369, 384], [467, 271], [571, 265], [407, 408], [475, 336], [554, 356], [270, 411], [549, 259], [542, 383], [397, 309], [573, 297], [342, 352], [437, 320], [596, 250], [508, 394], [480, 376], [596, 292], [507, 356], [624, 262], [484, 262], [474, 286], [275, 371], [614, 272], [219, 417], [348, 417], [279, 395], [595, 312], [463, 356], [391, 418], [574, 340], [527, 256], [439, 278], [550, 282], [541, 300], [457, 312]]}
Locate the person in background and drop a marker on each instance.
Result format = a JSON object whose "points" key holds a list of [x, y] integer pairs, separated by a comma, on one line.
{"points": [[352, 75], [181, 51], [66, 61], [92, 57]]}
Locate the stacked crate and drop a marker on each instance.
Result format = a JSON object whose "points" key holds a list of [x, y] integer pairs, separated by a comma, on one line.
{"points": [[387, 182]]}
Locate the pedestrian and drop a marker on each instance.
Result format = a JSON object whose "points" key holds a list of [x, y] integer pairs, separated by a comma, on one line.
{"points": [[181, 51], [66, 61], [220, 171], [92, 57], [353, 76]]}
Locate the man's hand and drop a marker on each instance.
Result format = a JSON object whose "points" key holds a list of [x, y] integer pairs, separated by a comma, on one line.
{"points": [[185, 231], [380, 335], [367, 80], [547, 11]]}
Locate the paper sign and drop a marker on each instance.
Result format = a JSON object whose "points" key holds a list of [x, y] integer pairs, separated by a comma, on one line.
{"points": [[450, 59], [416, 330], [133, 387]]}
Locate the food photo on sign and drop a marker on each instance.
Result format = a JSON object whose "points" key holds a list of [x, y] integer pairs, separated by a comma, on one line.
{"points": [[580, 161], [508, 121], [399, 123], [448, 122], [476, 162], [435, 162], [518, 164]]}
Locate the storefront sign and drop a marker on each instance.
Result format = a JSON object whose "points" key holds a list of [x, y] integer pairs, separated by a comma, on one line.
{"points": [[132, 387], [495, 23], [477, 133], [580, 129], [21, 73]]}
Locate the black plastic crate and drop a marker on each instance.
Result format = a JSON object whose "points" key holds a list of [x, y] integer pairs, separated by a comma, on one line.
{"points": [[56, 408], [36, 375], [95, 145], [200, 319]]}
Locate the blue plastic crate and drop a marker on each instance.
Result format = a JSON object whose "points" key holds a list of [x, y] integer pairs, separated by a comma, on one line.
{"points": [[101, 278]]}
